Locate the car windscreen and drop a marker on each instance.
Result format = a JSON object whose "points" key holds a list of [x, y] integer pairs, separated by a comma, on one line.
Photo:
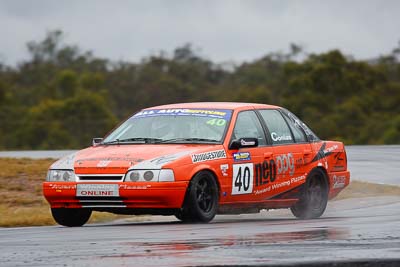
{"points": [[173, 126]]}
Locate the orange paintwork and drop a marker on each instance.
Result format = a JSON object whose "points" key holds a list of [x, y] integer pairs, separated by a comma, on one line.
{"points": [[117, 159]]}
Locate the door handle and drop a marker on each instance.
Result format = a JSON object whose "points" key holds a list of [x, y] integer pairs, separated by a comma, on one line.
{"points": [[306, 156], [267, 155]]}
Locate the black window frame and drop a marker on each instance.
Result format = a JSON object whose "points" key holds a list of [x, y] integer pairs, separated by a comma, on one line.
{"points": [[268, 132], [286, 118], [311, 137], [266, 137]]}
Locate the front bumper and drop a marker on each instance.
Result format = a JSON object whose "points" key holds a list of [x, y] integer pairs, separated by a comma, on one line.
{"points": [[132, 195]]}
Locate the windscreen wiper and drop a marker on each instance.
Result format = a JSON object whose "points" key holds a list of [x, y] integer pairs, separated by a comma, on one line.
{"points": [[139, 140], [187, 140]]}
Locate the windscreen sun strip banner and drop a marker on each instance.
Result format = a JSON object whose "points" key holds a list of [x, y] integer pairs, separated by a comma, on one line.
{"points": [[211, 113]]}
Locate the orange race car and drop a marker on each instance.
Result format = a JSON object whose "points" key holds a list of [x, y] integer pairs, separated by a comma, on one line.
{"points": [[195, 160]]}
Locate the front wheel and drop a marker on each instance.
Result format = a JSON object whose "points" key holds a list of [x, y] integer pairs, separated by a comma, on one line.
{"points": [[314, 197], [201, 202], [71, 217]]}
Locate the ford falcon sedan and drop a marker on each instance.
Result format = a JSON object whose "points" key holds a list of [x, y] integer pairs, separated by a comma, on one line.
{"points": [[196, 160]]}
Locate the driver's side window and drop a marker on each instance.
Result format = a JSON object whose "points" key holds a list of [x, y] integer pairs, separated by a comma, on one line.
{"points": [[248, 125]]}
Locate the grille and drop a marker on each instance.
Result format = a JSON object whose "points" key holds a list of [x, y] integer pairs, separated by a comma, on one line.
{"points": [[118, 177], [101, 202]]}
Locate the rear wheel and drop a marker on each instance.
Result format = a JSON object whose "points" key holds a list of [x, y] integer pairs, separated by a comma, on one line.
{"points": [[201, 201], [314, 198], [71, 217]]}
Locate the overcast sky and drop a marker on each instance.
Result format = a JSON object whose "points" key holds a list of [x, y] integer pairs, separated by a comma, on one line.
{"points": [[223, 30]]}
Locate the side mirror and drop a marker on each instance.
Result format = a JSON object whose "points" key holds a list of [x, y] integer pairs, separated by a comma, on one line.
{"points": [[244, 142], [96, 141]]}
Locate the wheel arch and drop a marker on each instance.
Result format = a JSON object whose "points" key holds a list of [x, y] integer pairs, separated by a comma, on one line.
{"points": [[326, 176], [212, 173]]}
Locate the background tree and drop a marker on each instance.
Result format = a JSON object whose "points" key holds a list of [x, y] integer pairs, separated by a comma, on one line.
{"points": [[61, 96]]}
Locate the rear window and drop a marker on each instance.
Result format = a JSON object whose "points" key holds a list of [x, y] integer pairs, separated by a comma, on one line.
{"points": [[277, 126]]}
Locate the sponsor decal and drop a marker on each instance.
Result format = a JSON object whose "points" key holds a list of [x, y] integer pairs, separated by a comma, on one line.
{"points": [[278, 138], [211, 113], [330, 149], [339, 181], [62, 187], [323, 152], [134, 187], [272, 187], [97, 190], [224, 169], [242, 180], [241, 156], [299, 162], [265, 172], [338, 167], [262, 191], [212, 155], [110, 159], [298, 179], [247, 143], [285, 163], [279, 185], [103, 163]]}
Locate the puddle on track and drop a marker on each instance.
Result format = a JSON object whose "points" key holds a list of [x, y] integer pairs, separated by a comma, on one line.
{"points": [[181, 247]]}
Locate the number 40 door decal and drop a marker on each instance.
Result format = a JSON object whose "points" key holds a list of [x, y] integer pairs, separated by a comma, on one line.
{"points": [[243, 177]]}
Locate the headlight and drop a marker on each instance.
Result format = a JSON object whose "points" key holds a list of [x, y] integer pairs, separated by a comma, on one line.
{"points": [[60, 176], [164, 175], [148, 175], [134, 176]]}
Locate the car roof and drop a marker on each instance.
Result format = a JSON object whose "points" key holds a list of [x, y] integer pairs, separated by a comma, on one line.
{"points": [[214, 105]]}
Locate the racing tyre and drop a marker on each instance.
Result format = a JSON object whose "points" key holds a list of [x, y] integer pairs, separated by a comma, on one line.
{"points": [[183, 216], [71, 217], [314, 197], [201, 202]]}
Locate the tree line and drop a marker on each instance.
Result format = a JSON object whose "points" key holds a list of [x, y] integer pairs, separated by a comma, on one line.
{"points": [[61, 96]]}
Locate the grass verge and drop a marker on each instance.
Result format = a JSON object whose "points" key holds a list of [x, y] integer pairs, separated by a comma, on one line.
{"points": [[358, 189], [22, 202]]}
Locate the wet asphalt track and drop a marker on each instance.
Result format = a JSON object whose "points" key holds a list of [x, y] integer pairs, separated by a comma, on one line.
{"points": [[375, 164], [356, 230]]}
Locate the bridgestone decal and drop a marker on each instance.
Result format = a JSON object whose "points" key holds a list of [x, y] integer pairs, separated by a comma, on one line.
{"points": [[218, 154]]}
